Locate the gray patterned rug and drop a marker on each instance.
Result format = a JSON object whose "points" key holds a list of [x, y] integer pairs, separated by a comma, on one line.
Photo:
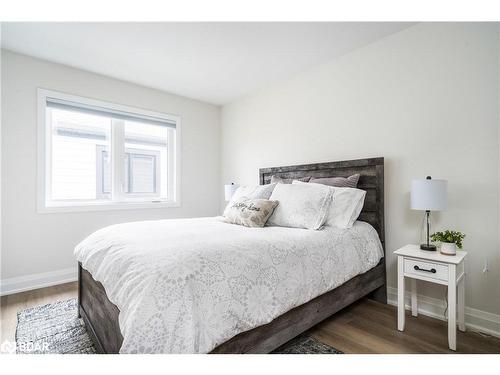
{"points": [[55, 328], [306, 345], [52, 328]]}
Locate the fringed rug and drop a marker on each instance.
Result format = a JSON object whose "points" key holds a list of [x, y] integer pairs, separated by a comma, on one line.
{"points": [[55, 328]]}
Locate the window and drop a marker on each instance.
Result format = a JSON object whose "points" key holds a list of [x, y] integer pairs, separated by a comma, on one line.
{"points": [[96, 155]]}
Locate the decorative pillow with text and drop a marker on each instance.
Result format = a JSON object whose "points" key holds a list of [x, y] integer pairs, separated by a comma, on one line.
{"points": [[249, 212]]}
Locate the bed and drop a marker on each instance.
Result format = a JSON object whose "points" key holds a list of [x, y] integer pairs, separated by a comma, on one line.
{"points": [[270, 254]]}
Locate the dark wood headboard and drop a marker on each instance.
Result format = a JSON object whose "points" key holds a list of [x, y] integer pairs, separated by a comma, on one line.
{"points": [[371, 179]]}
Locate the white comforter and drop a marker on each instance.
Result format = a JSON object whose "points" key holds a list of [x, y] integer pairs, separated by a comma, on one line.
{"points": [[188, 285]]}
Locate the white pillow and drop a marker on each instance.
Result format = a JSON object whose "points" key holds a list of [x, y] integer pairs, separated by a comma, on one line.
{"points": [[346, 205], [301, 205], [250, 192]]}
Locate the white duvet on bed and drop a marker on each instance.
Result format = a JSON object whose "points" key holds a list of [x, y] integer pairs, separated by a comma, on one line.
{"points": [[188, 285]]}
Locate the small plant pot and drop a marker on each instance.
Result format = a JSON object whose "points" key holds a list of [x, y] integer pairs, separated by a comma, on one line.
{"points": [[448, 248]]}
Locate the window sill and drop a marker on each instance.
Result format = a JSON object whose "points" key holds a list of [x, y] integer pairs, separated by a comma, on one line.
{"points": [[105, 206]]}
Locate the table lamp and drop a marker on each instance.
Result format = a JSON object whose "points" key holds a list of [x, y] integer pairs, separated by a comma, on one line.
{"points": [[229, 190], [428, 195]]}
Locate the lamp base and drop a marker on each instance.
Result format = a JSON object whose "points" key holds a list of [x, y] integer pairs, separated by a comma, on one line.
{"points": [[428, 247]]}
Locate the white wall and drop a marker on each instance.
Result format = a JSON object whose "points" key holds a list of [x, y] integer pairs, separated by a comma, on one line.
{"points": [[37, 243], [426, 99]]}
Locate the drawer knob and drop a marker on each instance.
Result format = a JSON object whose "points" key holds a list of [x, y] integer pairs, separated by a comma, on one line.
{"points": [[417, 268]]}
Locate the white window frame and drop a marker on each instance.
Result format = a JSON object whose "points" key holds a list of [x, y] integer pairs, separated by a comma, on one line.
{"points": [[121, 201]]}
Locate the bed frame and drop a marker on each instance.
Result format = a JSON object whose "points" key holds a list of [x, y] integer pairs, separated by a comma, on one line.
{"points": [[101, 316]]}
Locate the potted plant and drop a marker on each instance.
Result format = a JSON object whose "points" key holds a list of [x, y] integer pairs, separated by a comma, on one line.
{"points": [[449, 240]]}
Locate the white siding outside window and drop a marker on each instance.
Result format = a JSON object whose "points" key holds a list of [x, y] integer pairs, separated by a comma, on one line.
{"points": [[142, 172]]}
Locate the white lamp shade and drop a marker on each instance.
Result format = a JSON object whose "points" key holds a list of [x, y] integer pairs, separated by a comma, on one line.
{"points": [[229, 190], [429, 195]]}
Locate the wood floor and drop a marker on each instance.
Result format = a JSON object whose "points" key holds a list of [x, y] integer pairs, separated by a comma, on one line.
{"points": [[365, 327], [11, 304], [371, 327]]}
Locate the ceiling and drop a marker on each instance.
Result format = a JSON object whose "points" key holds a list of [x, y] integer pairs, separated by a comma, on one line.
{"points": [[212, 62]]}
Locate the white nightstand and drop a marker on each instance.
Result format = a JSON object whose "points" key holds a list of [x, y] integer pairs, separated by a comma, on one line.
{"points": [[436, 268]]}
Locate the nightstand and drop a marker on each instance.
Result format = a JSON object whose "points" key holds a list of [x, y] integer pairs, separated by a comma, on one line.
{"points": [[434, 267]]}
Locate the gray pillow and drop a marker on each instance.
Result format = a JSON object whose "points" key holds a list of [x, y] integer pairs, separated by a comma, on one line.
{"points": [[350, 182], [279, 180], [250, 212]]}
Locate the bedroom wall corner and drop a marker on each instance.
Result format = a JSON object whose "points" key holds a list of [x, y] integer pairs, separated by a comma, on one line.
{"points": [[427, 99]]}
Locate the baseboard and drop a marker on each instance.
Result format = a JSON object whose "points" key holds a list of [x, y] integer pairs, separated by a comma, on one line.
{"points": [[475, 320], [38, 280]]}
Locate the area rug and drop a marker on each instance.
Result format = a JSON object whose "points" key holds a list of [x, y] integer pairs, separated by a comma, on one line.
{"points": [[306, 345], [52, 328], [56, 329]]}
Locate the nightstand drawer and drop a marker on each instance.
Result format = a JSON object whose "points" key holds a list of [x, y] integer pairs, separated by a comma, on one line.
{"points": [[426, 269]]}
